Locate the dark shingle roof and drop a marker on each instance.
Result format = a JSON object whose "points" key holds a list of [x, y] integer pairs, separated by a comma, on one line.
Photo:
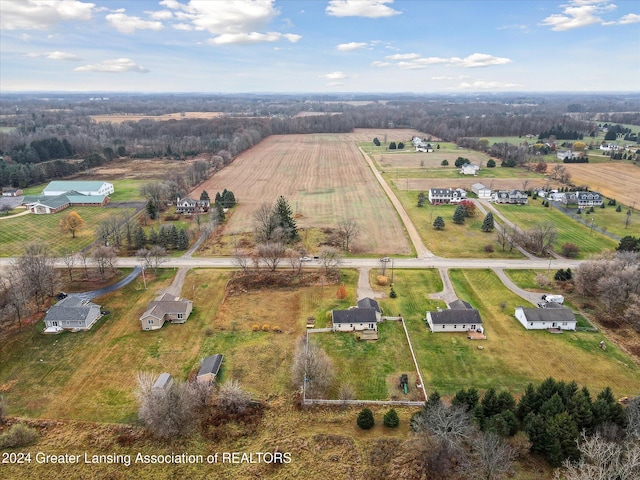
{"points": [[460, 305], [355, 315], [211, 364], [549, 315], [455, 316], [72, 308], [367, 302]]}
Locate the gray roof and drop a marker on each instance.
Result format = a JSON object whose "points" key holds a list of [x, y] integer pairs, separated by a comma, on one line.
{"points": [[72, 308], [460, 305], [478, 186], [562, 314], [211, 364], [51, 202], [367, 302], [355, 315], [455, 316], [166, 304], [163, 381]]}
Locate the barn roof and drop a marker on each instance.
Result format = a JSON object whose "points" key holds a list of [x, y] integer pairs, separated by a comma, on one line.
{"points": [[211, 364]]}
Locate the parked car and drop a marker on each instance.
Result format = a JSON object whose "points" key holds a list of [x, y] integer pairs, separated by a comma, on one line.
{"points": [[385, 259], [306, 259]]}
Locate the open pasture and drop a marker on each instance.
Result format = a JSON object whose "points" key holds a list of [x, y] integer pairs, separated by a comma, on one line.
{"points": [[323, 177], [612, 179], [461, 181], [431, 160], [16, 232]]}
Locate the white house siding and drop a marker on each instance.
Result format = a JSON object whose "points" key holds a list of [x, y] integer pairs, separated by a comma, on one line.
{"points": [[350, 327]]}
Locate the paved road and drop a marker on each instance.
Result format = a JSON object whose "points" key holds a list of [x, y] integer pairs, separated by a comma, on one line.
{"points": [[111, 288]]}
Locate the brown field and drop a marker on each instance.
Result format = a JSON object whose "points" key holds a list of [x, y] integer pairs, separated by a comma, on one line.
{"points": [[396, 134], [323, 177], [619, 181], [423, 184], [119, 118], [431, 160], [140, 169]]}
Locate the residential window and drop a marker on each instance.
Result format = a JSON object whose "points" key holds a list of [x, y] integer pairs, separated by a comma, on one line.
{"points": [[531, 324], [442, 326], [180, 315], [351, 325], [564, 323], [150, 322], [455, 326], [464, 326]]}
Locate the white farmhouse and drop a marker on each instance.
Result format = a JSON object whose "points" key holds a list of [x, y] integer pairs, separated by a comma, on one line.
{"points": [[553, 316]]}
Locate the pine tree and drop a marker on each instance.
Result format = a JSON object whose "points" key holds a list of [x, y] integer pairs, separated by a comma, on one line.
{"points": [[172, 236], [365, 419], [490, 403], [529, 403], [183, 240], [228, 199], [458, 215], [153, 236], [285, 219], [139, 238], [488, 224], [391, 419], [204, 196], [438, 223], [220, 210]]}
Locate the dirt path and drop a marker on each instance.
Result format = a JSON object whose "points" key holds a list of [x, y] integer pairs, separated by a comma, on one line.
{"points": [[528, 296], [364, 286], [421, 249], [447, 294], [26, 212]]}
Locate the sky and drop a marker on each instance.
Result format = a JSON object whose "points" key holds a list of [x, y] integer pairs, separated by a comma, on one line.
{"points": [[320, 46]]}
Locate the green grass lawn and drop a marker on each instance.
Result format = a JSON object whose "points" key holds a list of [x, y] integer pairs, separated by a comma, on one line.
{"points": [[92, 375], [611, 221], [454, 173], [528, 216], [461, 241], [512, 357], [127, 190], [15, 233]]}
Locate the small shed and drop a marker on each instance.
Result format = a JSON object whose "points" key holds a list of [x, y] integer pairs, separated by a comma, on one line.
{"points": [[210, 368], [163, 383]]}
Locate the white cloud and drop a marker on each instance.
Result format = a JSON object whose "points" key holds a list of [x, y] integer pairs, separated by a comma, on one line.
{"points": [[252, 37], [39, 15], [57, 55], [230, 21], [414, 61], [161, 15], [448, 77], [485, 85], [120, 65], [578, 13], [361, 8], [630, 18], [335, 84], [347, 47], [334, 76], [403, 56], [127, 24], [181, 26]]}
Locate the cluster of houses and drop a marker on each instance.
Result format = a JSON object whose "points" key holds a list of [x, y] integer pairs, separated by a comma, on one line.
{"points": [[421, 146], [438, 196], [573, 199], [61, 194], [462, 317]]}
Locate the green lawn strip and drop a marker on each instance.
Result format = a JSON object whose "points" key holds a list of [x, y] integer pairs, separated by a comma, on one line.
{"points": [[127, 190], [611, 221], [514, 356], [454, 173], [528, 216], [454, 241], [17, 232]]}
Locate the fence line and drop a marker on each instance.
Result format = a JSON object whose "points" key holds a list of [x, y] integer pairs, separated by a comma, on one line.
{"points": [[415, 362]]}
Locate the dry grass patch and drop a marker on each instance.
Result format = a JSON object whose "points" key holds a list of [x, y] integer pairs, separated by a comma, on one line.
{"points": [[119, 118], [613, 180]]}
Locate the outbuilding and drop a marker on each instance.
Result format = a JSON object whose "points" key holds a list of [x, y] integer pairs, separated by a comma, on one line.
{"points": [[210, 368]]}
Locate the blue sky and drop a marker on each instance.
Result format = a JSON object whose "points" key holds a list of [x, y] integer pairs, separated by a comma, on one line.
{"points": [[381, 46]]}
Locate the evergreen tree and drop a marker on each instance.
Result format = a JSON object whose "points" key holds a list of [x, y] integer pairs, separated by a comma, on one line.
{"points": [[153, 236], [365, 419], [488, 223], [552, 407], [139, 238], [421, 199], [438, 223], [183, 240], [172, 236], [433, 400], [506, 402], [459, 215], [220, 210], [391, 419], [468, 399], [529, 403], [218, 198], [490, 403], [562, 428], [228, 199], [163, 237], [204, 196], [152, 210], [285, 219], [579, 408]]}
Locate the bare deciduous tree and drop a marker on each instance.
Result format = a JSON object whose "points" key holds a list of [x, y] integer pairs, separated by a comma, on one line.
{"points": [[603, 459], [312, 369], [69, 258], [348, 231], [265, 224], [450, 425], [105, 259], [232, 398], [293, 256], [330, 258], [492, 457], [35, 266], [167, 413], [539, 239], [271, 254]]}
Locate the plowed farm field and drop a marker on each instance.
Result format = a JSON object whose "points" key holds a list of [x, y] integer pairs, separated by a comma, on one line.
{"points": [[323, 177], [613, 180]]}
